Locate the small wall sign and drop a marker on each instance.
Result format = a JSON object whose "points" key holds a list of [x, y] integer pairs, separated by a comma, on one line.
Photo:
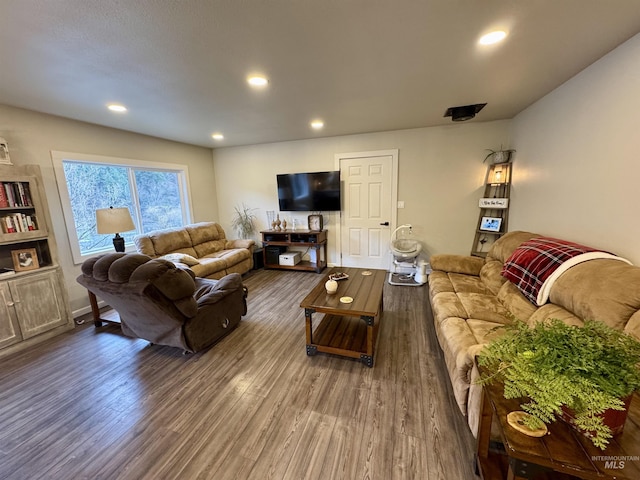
{"points": [[494, 203]]}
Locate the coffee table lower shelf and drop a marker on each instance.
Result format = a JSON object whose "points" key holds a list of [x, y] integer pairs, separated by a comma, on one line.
{"points": [[347, 336]]}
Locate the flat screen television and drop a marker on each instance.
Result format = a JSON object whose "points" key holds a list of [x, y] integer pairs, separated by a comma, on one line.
{"points": [[309, 192]]}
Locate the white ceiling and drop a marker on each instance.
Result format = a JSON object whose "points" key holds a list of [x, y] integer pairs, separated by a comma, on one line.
{"points": [[361, 65]]}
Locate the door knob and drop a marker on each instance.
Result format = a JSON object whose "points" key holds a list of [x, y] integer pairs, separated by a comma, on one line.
{"points": [[386, 224]]}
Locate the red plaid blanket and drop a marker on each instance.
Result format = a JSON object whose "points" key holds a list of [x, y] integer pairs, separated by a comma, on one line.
{"points": [[533, 262]]}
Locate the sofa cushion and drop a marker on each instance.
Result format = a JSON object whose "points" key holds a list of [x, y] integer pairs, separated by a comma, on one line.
{"points": [[484, 331], [175, 240], [457, 264], [231, 257], [121, 270], [491, 276], [550, 311], [605, 290], [445, 305], [467, 283], [181, 258], [506, 244], [484, 307], [210, 266], [100, 268], [515, 302], [439, 282], [457, 342], [206, 238], [633, 326]]}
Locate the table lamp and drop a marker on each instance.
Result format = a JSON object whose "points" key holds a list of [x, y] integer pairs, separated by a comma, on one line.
{"points": [[114, 220]]}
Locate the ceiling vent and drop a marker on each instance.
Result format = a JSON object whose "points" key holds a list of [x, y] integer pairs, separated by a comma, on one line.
{"points": [[464, 112]]}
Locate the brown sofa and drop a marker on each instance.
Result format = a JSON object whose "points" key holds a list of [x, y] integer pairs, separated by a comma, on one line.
{"points": [[470, 297], [164, 304], [202, 247]]}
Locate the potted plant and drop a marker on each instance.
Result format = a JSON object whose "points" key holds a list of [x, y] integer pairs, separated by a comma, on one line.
{"points": [[499, 156], [242, 221], [584, 371]]}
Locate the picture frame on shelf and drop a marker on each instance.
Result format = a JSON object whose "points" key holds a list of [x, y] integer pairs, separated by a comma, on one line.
{"points": [[490, 224], [25, 259], [4, 153], [315, 222]]}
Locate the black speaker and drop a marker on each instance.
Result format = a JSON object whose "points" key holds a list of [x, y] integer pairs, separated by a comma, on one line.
{"points": [[463, 112], [272, 254]]}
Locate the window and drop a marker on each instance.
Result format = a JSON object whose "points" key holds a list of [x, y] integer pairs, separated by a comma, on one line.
{"points": [[156, 195]]}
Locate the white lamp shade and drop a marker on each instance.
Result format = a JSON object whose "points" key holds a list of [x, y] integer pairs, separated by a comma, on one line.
{"points": [[114, 220]]}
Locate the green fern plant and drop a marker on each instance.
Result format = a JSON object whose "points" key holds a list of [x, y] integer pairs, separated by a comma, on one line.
{"points": [[588, 369]]}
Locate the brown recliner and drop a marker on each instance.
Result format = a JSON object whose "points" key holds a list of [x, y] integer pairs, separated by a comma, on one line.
{"points": [[164, 304]]}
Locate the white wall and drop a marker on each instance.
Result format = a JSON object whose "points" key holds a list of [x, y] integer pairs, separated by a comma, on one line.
{"points": [[31, 136], [441, 176], [577, 168]]}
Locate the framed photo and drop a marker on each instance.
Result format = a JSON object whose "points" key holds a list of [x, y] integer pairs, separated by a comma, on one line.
{"points": [[315, 222], [26, 259], [490, 224], [4, 152]]}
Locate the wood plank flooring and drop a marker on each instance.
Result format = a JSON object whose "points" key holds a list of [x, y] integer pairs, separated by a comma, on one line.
{"points": [[94, 404]]}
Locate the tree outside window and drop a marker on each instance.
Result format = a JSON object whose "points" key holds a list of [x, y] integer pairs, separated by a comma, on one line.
{"points": [[153, 197]]}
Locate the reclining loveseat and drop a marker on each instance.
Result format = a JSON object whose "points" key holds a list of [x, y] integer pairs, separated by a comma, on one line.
{"points": [[164, 304]]}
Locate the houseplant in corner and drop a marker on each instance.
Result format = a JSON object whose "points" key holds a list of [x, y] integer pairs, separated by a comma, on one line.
{"points": [[563, 369], [242, 221]]}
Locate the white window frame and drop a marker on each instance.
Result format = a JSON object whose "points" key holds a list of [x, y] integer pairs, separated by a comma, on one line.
{"points": [[57, 159]]}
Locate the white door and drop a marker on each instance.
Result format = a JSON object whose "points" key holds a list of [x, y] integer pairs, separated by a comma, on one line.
{"points": [[369, 193]]}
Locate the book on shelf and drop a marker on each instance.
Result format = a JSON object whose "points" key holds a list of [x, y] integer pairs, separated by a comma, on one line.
{"points": [[4, 201], [18, 222], [15, 194]]}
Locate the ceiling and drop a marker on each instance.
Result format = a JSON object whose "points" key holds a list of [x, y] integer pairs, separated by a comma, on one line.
{"points": [[361, 65]]}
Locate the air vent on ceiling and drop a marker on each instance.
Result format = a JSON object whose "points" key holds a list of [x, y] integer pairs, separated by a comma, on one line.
{"points": [[463, 112]]}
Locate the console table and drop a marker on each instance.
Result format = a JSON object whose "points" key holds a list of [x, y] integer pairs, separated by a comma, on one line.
{"points": [[275, 242]]}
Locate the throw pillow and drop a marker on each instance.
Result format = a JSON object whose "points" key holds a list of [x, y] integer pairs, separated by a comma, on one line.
{"points": [[181, 258]]}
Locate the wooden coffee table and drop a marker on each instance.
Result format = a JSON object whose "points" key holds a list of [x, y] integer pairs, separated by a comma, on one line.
{"points": [[347, 329]]}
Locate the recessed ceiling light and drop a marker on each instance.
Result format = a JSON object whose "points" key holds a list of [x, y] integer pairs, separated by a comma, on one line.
{"points": [[257, 81], [217, 136], [492, 37], [317, 124], [116, 107]]}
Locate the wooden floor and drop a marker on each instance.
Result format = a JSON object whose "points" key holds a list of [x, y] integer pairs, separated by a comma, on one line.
{"points": [[94, 404]]}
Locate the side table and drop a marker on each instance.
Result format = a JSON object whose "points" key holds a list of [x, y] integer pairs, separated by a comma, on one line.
{"points": [[562, 454], [258, 258]]}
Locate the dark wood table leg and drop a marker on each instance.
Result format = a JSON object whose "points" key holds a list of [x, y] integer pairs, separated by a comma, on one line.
{"points": [[97, 321], [484, 432], [311, 349], [368, 358], [110, 316]]}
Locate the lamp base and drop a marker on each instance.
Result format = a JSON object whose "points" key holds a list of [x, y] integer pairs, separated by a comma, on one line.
{"points": [[118, 243]]}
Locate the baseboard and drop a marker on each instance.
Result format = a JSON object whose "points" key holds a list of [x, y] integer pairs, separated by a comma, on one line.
{"points": [[84, 310]]}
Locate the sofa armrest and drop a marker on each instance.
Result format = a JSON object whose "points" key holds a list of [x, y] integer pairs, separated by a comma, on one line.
{"points": [[209, 292], [240, 243], [457, 264]]}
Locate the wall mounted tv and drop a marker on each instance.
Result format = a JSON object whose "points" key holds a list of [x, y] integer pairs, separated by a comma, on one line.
{"points": [[309, 192]]}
